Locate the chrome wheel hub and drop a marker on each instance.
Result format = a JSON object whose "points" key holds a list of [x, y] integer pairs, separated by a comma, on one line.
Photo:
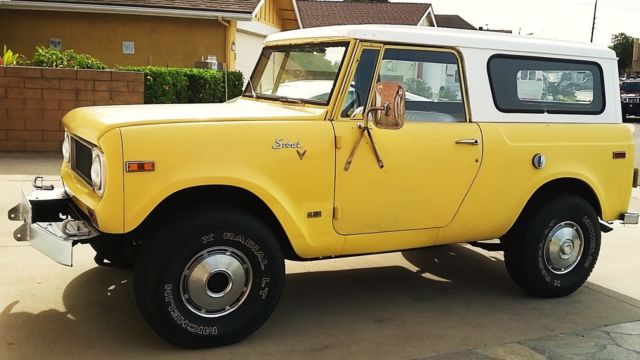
{"points": [[563, 247], [216, 281]]}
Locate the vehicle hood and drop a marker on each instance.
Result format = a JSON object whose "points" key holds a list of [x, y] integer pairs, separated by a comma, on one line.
{"points": [[90, 123]]}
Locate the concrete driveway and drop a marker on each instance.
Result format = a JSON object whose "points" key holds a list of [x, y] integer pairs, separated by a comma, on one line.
{"points": [[450, 301]]}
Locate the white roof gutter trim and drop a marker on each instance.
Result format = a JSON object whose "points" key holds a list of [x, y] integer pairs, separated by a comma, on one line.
{"points": [[127, 10], [256, 28], [295, 8], [432, 15]]}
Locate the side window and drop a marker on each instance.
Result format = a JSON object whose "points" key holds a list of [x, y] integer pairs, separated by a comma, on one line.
{"points": [[538, 85], [359, 88], [432, 83]]}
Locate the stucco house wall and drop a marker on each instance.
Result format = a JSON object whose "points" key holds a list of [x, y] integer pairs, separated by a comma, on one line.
{"points": [[159, 40]]}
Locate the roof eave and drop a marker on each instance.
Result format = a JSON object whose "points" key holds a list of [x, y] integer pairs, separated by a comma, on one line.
{"points": [[429, 13], [257, 9], [295, 9], [127, 10]]}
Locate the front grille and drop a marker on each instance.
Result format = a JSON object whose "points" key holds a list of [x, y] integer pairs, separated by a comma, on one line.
{"points": [[81, 158]]}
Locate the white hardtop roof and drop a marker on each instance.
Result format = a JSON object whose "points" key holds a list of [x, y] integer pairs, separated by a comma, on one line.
{"points": [[418, 35]]}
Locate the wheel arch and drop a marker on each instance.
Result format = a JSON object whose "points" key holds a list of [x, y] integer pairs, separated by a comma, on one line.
{"points": [[558, 187], [199, 197]]}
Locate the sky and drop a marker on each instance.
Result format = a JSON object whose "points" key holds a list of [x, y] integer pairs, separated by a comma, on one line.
{"points": [[554, 19]]}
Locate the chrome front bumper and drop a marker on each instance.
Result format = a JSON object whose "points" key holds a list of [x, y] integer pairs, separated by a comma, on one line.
{"points": [[51, 224]]}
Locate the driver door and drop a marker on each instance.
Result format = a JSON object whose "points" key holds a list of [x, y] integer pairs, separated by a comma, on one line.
{"points": [[429, 164]]}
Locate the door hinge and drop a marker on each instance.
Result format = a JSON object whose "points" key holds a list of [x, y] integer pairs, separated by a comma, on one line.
{"points": [[336, 213], [338, 142]]}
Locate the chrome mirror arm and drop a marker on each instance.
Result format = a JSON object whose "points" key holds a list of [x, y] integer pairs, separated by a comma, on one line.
{"points": [[364, 128]]}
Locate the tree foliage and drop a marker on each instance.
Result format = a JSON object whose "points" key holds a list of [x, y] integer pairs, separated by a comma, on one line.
{"points": [[622, 44]]}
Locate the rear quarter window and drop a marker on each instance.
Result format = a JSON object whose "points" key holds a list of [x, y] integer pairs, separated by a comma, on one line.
{"points": [[541, 85]]}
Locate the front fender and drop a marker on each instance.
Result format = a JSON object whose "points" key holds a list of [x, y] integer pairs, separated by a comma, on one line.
{"points": [[240, 154]]}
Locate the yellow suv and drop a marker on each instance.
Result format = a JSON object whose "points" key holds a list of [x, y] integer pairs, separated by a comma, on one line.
{"points": [[347, 140]]}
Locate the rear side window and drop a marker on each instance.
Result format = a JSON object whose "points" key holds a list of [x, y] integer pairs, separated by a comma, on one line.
{"points": [[540, 85]]}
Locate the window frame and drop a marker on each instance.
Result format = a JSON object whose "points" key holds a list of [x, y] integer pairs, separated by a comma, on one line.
{"points": [[461, 70], [351, 73], [530, 110], [247, 92], [383, 47]]}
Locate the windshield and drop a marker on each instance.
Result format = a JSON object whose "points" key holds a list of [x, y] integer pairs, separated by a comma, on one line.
{"points": [[631, 86], [301, 73]]}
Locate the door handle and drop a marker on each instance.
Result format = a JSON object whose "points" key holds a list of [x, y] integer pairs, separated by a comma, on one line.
{"points": [[468, 142]]}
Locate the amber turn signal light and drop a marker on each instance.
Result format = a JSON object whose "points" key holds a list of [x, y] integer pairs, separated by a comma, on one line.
{"points": [[140, 166]]}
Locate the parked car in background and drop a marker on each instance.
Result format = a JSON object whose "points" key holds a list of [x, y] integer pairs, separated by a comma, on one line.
{"points": [[630, 97]]}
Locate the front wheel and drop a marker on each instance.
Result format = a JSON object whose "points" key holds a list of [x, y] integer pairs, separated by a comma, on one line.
{"points": [[213, 281], [553, 250]]}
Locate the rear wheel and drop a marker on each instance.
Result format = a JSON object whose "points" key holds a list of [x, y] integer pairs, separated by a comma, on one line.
{"points": [[213, 281], [553, 249]]}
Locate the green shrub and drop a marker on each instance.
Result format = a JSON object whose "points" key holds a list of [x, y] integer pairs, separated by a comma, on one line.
{"points": [[69, 59], [180, 85]]}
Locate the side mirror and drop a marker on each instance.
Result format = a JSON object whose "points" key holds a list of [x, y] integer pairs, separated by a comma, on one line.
{"points": [[388, 112]]}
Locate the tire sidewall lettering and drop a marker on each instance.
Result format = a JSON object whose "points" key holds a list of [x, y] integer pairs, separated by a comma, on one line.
{"points": [[164, 277], [258, 292], [244, 240], [524, 249], [592, 242], [181, 320], [540, 260], [585, 224]]}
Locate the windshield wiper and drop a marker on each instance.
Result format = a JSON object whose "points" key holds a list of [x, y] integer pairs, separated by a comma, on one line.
{"points": [[290, 100], [282, 98]]}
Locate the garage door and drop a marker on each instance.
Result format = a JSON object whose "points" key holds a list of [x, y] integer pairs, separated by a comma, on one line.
{"points": [[248, 47]]}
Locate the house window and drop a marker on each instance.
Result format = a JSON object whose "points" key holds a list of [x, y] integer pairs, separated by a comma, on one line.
{"points": [[128, 47], [540, 85]]}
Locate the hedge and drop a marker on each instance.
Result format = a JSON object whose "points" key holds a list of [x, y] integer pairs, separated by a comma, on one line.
{"points": [[181, 85]]}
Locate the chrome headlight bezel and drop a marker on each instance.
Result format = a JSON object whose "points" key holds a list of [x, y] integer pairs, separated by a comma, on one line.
{"points": [[66, 147], [97, 171]]}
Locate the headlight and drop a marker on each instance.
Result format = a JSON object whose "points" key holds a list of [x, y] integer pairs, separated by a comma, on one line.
{"points": [[97, 171], [66, 147]]}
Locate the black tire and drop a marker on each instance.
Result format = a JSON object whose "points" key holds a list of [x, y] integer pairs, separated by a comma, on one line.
{"points": [[513, 257], [625, 117], [534, 249], [115, 252], [167, 262]]}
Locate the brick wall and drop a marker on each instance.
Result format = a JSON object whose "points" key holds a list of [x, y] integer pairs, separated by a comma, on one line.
{"points": [[34, 100]]}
